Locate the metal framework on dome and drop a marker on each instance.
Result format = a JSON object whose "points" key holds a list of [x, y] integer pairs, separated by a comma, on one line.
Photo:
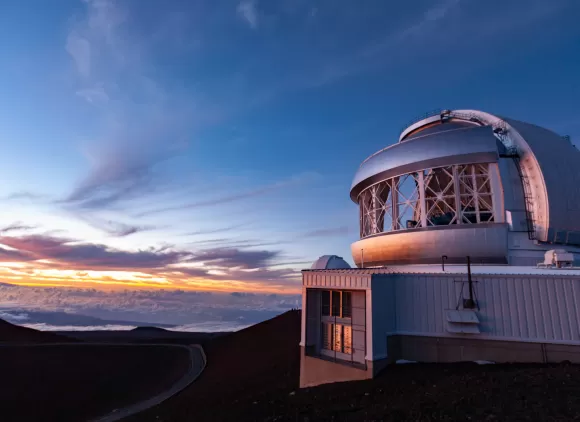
{"points": [[456, 194]]}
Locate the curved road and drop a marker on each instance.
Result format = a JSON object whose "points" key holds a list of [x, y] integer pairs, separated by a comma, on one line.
{"points": [[196, 366]]}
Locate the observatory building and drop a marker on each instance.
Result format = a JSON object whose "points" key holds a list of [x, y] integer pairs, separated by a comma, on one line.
{"points": [[469, 250]]}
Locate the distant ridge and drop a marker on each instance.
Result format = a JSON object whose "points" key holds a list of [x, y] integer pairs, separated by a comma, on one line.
{"points": [[148, 328], [10, 333]]}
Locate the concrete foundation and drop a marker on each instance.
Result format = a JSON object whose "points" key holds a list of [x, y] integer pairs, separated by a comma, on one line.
{"points": [[318, 370], [438, 349]]}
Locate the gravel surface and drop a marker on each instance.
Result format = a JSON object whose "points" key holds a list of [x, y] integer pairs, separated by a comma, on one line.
{"points": [[78, 382], [252, 375]]}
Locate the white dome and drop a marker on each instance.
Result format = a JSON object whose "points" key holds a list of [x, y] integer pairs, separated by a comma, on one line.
{"points": [[329, 262]]}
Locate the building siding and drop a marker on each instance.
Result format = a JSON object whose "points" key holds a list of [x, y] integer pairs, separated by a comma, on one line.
{"points": [[336, 281], [524, 308]]}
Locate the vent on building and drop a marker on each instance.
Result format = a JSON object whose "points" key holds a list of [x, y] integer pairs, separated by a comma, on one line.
{"points": [[462, 321], [557, 258]]}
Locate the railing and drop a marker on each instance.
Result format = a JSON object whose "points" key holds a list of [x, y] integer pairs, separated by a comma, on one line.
{"points": [[423, 116], [528, 198], [439, 111]]}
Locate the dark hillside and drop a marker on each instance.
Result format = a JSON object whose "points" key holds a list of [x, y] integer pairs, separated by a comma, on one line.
{"points": [[252, 375], [10, 333]]}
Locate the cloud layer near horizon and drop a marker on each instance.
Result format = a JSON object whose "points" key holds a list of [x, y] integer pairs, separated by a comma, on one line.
{"points": [[177, 307]]}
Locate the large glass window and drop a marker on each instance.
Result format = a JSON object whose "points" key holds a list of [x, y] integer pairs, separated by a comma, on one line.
{"points": [[337, 338], [336, 303], [325, 302], [346, 306], [458, 194]]}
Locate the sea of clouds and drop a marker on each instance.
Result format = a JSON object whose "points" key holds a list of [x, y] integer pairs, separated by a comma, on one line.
{"points": [[66, 309]]}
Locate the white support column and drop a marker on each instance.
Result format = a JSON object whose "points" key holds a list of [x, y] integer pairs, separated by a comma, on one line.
{"points": [[475, 194], [395, 202], [457, 189], [303, 317], [496, 193], [369, 325], [422, 204]]}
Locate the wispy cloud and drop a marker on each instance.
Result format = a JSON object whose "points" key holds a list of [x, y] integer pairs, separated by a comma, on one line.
{"points": [[142, 125], [114, 228], [68, 253], [233, 243], [297, 179], [218, 230], [247, 10], [79, 49], [40, 254], [94, 95], [329, 232], [235, 258], [15, 196], [16, 226]]}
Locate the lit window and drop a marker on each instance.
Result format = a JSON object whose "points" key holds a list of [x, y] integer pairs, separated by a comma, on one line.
{"points": [[347, 340], [337, 338], [325, 303], [336, 303], [346, 305], [327, 336]]}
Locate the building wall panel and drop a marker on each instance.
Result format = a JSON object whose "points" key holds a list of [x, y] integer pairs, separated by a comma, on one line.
{"points": [[338, 281], [526, 308]]}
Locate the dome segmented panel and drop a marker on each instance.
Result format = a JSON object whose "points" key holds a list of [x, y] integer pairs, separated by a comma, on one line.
{"points": [[330, 262]]}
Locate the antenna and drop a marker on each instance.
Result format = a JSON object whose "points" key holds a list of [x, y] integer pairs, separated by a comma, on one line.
{"points": [[443, 258], [469, 303], [362, 258]]}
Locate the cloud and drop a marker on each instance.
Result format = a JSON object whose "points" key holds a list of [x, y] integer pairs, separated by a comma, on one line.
{"points": [[80, 50], [143, 125], [153, 306], [23, 195], [79, 256], [258, 275], [166, 265], [243, 243], [16, 226], [247, 10], [330, 232], [296, 179], [10, 255], [94, 95], [113, 228], [440, 10], [235, 258], [213, 231], [42, 326], [13, 317]]}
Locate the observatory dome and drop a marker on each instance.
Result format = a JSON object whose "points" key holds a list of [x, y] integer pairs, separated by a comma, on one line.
{"points": [[329, 262], [465, 182]]}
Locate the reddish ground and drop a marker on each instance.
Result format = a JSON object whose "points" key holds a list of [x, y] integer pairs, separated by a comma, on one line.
{"points": [[10, 333], [242, 367], [252, 375], [75, 383]]}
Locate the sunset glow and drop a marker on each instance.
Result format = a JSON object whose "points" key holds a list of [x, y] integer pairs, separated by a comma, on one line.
{"points": [[155, 148]]}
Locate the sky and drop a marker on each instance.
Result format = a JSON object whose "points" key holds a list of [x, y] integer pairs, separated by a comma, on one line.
{"points": [[166, 149]]}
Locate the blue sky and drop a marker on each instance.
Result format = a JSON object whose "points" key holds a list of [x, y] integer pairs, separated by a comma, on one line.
{"points": [[211, 145]]}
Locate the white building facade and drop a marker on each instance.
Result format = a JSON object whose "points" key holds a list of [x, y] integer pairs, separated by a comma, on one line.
{"points": [[458, 184]]}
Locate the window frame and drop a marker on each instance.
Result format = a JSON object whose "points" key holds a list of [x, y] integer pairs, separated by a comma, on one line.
{"points": [[331, 306]]}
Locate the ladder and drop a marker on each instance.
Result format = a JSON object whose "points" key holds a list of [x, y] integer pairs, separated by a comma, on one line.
{"points": [[528, 198]]}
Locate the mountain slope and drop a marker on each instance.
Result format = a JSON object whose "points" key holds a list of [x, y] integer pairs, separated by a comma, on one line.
{"points": [[10, 333]]}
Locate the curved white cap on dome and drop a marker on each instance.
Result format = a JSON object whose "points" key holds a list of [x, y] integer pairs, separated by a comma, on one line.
{"points": [[329, 262]]}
